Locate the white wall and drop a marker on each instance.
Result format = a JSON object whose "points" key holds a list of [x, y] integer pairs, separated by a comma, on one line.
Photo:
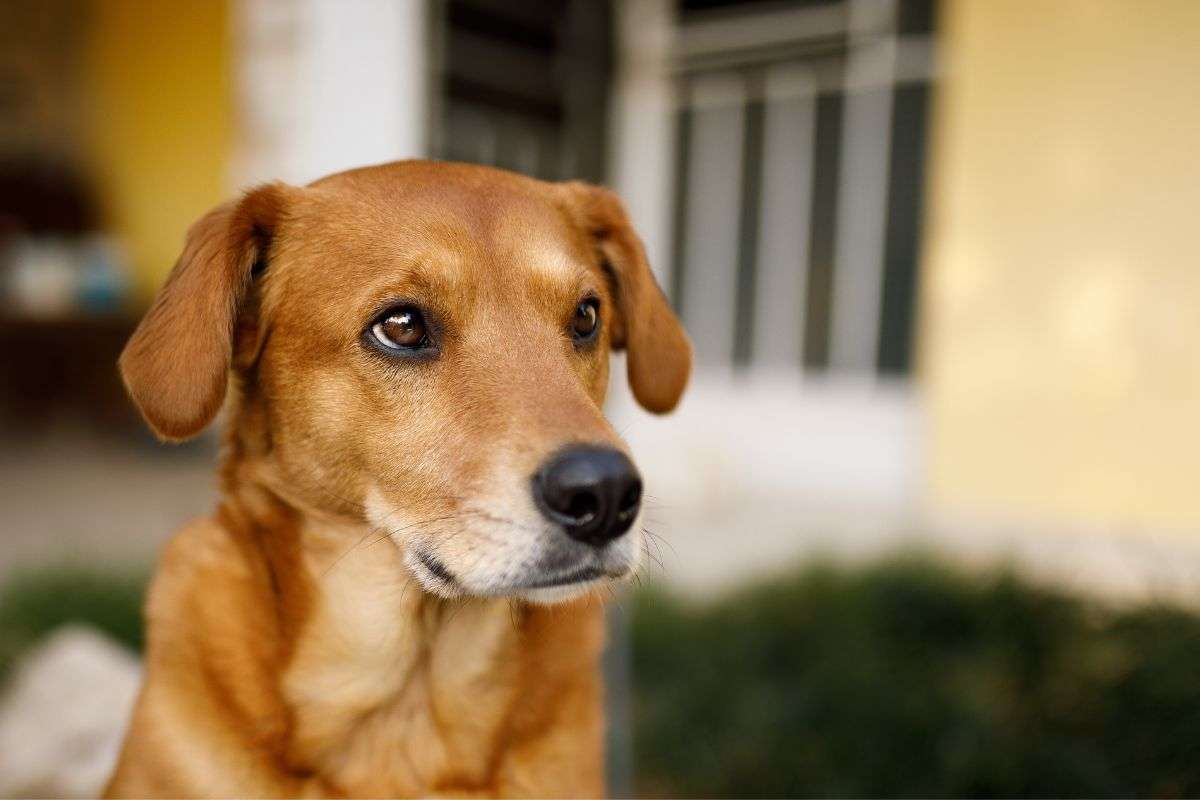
{"points": [[324, 85]]}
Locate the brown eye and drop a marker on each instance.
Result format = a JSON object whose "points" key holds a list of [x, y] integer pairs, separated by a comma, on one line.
{"points": [[587, 319], [401, 329]]}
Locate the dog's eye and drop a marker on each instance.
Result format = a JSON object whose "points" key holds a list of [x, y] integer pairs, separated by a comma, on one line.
{"points": [[586, 320], [401, 329]]}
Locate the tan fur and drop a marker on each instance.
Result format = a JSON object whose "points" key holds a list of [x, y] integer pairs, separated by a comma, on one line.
{"points": [[291, 649]]}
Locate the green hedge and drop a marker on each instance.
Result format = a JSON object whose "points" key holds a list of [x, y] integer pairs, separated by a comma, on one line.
{"points": [[913, 679], [908, 678], [34, 602]]}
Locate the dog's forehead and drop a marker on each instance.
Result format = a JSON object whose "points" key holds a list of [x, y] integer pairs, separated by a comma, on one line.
{"points": [[471, 222]]}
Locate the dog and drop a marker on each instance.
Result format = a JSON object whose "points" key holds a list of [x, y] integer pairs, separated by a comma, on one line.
{"points": [[421, 502]]}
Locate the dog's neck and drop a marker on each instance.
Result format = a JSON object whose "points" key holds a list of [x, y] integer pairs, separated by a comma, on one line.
{"points": [[373, 669]]}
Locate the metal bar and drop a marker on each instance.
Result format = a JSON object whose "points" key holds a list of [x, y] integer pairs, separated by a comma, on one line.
{"points": [[902, 243], [683, 154], [764, 57], [748, 222], [823, 227]]}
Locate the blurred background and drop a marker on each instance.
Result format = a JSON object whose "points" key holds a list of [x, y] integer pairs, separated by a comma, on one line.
{"points": [[927, 521]]}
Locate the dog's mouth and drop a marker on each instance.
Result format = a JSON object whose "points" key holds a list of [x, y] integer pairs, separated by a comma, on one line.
{"points": [[577, 576], [439, 571], [436, 567]]}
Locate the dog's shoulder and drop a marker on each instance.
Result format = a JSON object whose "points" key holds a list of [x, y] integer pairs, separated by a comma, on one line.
{"points": [[210, 695], [213, 591], [210, 606], [202, 542], [200, 554]]}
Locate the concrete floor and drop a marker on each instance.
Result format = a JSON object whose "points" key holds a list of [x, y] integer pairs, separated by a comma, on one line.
{"points": [[78, 496]]}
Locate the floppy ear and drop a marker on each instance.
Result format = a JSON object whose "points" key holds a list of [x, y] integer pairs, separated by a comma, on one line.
{"points": [[659, 354], [176, 364]]}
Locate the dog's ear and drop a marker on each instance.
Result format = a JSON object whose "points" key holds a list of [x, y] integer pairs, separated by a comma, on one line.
{"points": [[659, 354], [176, 364]]}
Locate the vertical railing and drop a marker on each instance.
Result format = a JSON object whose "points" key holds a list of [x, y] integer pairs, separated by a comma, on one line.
{"points": [[818, 301], [753, 132], [683, 155], [851, 242]]}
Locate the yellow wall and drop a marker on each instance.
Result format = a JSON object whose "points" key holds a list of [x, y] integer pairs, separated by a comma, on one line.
{"points": [[159, 109], [1061, 354]]}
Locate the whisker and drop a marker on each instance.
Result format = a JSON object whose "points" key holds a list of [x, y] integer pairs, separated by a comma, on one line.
{"points": [[661, 539], [656, 555], [388, 534]]}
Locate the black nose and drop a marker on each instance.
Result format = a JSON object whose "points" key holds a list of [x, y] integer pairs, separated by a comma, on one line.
{"points": [[593, 492]]}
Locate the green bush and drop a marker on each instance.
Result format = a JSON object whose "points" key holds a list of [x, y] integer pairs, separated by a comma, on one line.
{"points": [[913, 679], [908, 678], [34, 602]]}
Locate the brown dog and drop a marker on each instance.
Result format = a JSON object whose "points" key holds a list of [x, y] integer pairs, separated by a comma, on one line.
{"points": [[419, 493]]}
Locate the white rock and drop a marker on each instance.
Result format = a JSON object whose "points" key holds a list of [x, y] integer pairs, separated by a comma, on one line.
{"points": [[63, 715]]}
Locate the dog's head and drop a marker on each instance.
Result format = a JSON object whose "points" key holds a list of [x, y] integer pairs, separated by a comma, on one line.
{"points": [[425, 346]]}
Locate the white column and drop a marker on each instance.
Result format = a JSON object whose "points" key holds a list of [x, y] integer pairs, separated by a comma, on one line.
{"points": [[712, 237], [862, 198], [642, 122], [786, 213], [324, 85]]}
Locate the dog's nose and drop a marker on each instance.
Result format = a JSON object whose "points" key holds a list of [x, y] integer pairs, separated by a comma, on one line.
{"points": [[593, 492]]}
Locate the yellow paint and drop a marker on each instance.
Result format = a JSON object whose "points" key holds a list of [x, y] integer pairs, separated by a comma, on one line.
{"points": [[1061, 355], [159, 110]]}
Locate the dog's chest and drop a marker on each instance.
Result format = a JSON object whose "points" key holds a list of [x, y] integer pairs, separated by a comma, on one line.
{"points": [[393, 696]]}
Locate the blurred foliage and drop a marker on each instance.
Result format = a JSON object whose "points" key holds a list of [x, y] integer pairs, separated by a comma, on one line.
{"points": [[910, 678], [907, 678], [34, 602]]}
